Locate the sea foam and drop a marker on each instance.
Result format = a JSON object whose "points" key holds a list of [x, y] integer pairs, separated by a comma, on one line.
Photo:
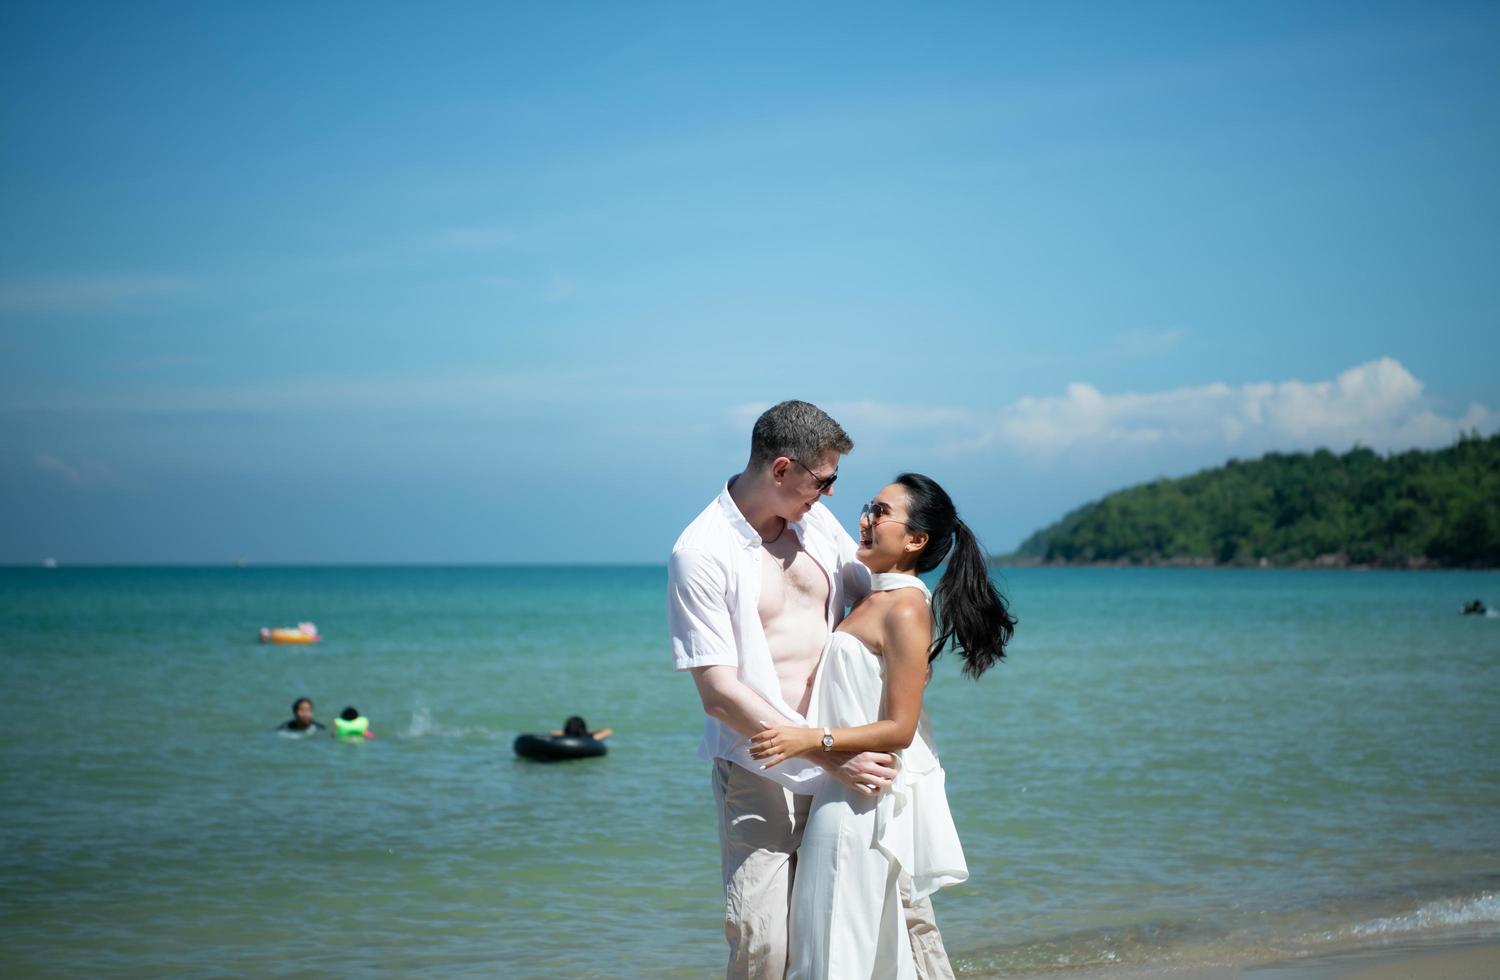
{"points": [[1445, 913]]}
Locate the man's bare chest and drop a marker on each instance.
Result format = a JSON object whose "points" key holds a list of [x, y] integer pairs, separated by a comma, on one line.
{"points": [[791, 581]]}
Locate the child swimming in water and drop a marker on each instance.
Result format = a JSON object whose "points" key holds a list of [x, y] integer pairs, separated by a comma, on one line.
{"points": [[351, 724]]}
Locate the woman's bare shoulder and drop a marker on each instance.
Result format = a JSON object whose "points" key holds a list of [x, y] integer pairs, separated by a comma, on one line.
{"points": [[906, 608]]}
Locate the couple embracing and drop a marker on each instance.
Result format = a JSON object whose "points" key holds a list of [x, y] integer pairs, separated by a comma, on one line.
{"points": [[811, 654]]}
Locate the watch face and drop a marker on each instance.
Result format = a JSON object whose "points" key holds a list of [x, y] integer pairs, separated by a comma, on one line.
{"points": [[827, 741]]}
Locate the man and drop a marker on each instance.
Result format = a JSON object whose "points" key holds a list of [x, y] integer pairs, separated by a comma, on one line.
{"points": [[754, 586]]}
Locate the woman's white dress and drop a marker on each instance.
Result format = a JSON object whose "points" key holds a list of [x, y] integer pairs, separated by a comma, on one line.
{"points": [[846, 918]]}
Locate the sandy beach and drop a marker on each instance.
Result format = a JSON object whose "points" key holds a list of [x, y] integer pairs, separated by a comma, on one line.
{"points": [[1450, 959], [1433, 958]]}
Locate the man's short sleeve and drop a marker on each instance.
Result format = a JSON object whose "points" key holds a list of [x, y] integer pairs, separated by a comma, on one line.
{"points": [[698, 612]]}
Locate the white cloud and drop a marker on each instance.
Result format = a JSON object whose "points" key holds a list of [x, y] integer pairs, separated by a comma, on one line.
{"points": [[1149, 343], [478, 393], [1378, 404], [73, 295], [741, 418], [416, 249], [896, 418], [866, 416], [82, 475]]}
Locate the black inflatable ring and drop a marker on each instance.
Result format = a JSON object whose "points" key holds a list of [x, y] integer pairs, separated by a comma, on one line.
{"points": [[555, 748]]}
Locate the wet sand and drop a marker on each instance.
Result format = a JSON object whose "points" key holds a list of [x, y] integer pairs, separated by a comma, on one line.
{"points": [[1450, 958], [1468, 959]]}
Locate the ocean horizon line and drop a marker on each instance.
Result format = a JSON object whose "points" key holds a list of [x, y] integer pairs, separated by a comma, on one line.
{"points": [[1003, 562], [60, 564]]}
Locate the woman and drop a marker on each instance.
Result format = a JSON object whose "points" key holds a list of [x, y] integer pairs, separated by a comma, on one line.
{"points": [[857, 853]]}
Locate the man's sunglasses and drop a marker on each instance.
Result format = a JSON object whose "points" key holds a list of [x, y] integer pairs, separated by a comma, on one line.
{"points": [[824, 482]]}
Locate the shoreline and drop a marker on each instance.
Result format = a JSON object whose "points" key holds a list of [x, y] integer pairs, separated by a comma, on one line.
{"points": [[1453, 957], [1318, 565], [1443, 956], [1450, 931]]}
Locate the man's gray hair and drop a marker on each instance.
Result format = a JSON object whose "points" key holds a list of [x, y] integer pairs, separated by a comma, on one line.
{"points": [[800, 430]]}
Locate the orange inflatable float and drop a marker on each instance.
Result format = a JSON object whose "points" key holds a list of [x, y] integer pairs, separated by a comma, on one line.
{"points": [[301, 633]]}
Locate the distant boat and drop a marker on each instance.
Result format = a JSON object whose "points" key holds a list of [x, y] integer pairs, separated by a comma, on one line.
{"points": [[49, 562], [301, 633]]}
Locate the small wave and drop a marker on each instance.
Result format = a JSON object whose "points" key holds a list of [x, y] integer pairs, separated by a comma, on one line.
{"points": [[422, 726], [1160, 948], [1155, 948], [421, 721], [1442, 914]]}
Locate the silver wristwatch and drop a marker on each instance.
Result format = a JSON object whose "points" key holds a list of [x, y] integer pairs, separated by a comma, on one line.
{"points": [[827, 739]]}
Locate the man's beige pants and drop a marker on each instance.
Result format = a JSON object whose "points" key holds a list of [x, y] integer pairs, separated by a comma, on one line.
{"points": [[760, 826]]}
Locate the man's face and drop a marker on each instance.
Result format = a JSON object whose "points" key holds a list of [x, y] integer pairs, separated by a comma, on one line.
{"points": [[304, 712], [804, 482]]}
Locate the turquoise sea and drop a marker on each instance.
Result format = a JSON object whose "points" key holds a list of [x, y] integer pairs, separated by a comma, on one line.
{"points": [[1176, 767]]}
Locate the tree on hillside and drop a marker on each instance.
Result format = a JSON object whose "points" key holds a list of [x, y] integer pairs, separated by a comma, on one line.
{"points": [[1440, 507]]}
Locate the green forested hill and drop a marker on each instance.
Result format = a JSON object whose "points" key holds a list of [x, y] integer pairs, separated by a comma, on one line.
{"points": [[1437, 507]]}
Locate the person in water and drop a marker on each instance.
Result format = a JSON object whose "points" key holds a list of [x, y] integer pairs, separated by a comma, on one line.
{"points": [[576, 727], [351, 724], [857, 854], [302, 722]]}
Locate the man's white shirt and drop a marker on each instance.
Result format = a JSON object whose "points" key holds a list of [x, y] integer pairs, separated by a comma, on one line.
{"points": [[713, 615]]}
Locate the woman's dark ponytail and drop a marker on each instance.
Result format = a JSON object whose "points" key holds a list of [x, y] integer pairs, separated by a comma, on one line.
{"points": [[970, 611]]}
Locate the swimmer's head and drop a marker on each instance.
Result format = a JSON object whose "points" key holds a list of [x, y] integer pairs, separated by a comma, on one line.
{"points": [[302, 710], [350, 713], [575, 727]]}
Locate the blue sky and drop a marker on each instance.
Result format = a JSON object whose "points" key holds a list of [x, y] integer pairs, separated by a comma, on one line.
{"points": [[504, 283]]}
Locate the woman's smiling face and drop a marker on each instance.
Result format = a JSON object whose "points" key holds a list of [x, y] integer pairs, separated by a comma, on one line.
{"points": [[883, 534]]}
